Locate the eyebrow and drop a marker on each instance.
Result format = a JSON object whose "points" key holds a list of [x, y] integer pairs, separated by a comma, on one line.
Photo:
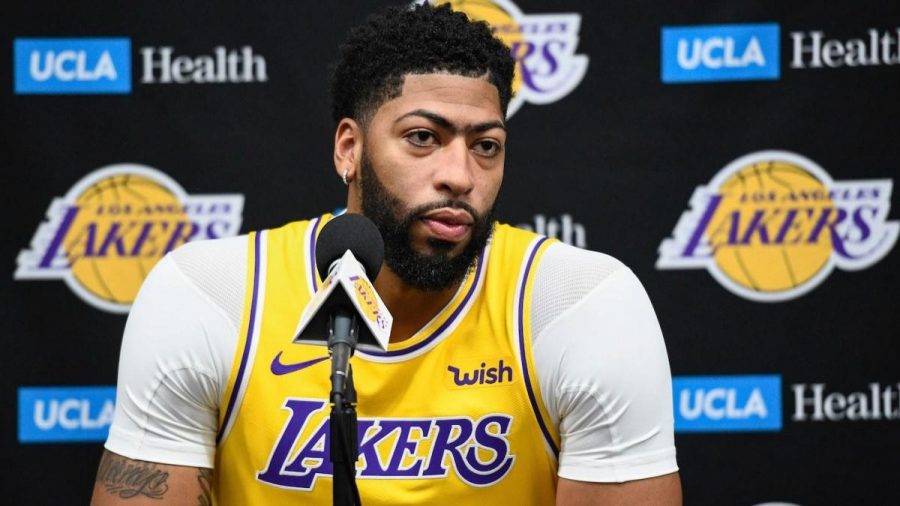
{"points": [[448, 125]]}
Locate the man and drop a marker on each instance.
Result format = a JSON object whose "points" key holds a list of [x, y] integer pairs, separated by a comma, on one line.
{"points": [[520, 369]]}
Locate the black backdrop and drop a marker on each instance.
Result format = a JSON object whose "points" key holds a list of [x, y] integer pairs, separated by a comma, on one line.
{"points": [[617, 158]]}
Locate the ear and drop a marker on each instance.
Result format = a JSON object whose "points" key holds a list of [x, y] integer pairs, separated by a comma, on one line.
{"points": [[348, 147]]}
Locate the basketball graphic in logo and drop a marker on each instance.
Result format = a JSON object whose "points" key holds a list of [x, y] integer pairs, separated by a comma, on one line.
{"points": [[106, 234], [121, 232], [766, 258], [772, 225]]}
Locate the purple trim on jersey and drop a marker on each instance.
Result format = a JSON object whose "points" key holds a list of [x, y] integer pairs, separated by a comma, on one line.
{"points": [[522, 353], [312, 254], [248, 341], [444, 325]]}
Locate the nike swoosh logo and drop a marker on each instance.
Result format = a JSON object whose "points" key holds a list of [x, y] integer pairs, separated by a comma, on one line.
{"points": [[279, 368]]}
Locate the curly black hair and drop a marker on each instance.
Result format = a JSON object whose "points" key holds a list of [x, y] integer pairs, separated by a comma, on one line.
{"points": [[414, 40]]}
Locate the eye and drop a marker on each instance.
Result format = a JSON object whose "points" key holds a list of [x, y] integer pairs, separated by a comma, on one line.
{"points": [[487, 147], [422, 138]]}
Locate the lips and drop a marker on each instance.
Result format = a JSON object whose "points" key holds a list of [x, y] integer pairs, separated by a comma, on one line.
{"points": [[448, 224]]}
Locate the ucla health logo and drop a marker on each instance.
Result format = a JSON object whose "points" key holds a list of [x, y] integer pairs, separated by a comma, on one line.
{"points": [[110, 229], [772, 225], [57, 66], [58, 414], [727, 403], [543, 45], [720, 53]]}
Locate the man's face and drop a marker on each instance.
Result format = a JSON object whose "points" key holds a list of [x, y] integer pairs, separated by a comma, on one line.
{"points": [[431, 168]]}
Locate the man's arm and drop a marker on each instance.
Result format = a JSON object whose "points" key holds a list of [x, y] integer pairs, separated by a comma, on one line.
{"points": [[176, 354], [605, 381], [124, 481], [660, 491]]}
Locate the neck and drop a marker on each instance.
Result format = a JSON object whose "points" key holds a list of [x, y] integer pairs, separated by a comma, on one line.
{"points": [[411, 308]]}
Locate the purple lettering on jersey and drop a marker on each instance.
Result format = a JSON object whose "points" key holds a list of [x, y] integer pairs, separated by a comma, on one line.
{"points": [[404, 445], [314, 456], [477, 450], [301, 410], [482, 473], [368, 448], [445, 443]]}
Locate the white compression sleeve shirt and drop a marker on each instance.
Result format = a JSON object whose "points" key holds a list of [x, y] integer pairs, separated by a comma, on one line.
{"points": [[176, 355], [599, 358], [602, 367]]}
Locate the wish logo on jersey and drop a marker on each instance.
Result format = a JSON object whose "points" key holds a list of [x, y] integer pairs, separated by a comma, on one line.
{"points": [[772, 225], [543, 45], [474, 450], [110, 229], [475, 372]]}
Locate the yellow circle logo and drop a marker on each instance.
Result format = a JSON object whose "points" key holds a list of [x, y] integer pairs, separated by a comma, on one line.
{"points": [[772, 225], [103, 237], [760, 232], [125, 223]]}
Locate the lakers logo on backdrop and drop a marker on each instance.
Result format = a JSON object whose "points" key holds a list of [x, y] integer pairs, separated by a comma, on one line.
{"points": [[543, 45], [772, 225], [110, 229], [756, 255]]}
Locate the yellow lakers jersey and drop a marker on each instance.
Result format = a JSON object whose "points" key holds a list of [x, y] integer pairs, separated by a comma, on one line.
{"points": [[452, 415]]}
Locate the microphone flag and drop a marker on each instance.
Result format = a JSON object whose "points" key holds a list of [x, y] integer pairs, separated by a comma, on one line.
{"points": [[346, 286]]}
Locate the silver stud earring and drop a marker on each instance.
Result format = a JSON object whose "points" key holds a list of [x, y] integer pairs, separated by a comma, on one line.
{"points": [[344, 177]]}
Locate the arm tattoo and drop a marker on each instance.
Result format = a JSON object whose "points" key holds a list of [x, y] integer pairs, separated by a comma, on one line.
{"points": [[204, 477], [131, 478]]}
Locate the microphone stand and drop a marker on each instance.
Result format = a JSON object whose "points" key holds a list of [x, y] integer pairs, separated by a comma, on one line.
{"points": [[344, 451]]}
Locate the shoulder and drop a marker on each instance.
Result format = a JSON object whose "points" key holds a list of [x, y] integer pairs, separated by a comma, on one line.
{"points": [[557, 255], [234, 248], [176, 354], [565, 276], [570, 262], [602, 368], [217, 268]]}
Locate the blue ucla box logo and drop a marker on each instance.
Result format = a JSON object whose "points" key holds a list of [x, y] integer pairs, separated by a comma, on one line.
{"points": [[721, 53], [59, 66], [64, 414], [727, 403]]}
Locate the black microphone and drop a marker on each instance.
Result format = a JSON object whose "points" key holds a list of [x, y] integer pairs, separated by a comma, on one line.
{"points": [[358, 235], [349, 252], [353, 232]]}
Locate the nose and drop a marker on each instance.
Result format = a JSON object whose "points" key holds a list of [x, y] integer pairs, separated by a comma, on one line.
{"points": [[455, 173]]}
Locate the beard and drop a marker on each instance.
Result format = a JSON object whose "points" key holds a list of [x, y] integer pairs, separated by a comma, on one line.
{"points": [[424, 271]]}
